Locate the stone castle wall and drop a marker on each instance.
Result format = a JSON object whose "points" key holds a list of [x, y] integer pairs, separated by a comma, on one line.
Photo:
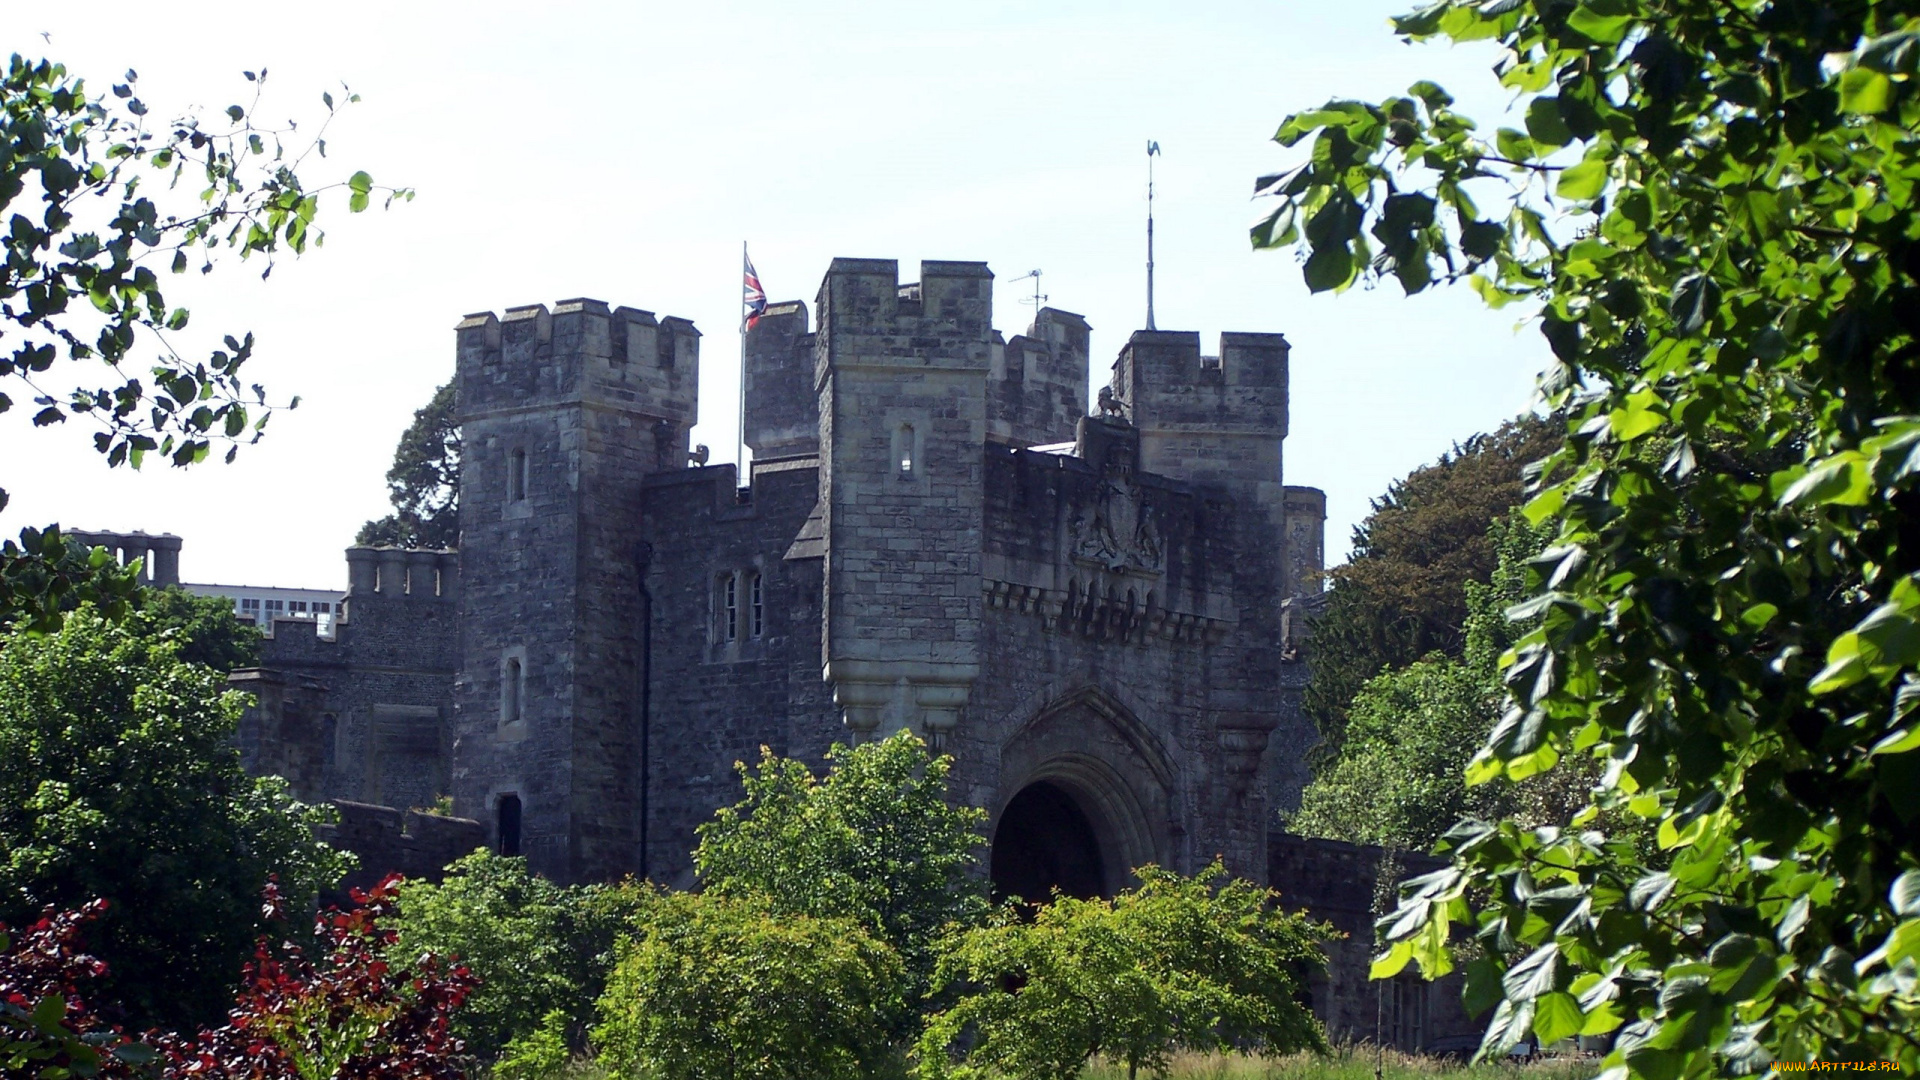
{"points": [[1113, 626]]}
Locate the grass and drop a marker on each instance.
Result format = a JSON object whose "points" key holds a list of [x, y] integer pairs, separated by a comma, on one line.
{"points": [[1343, 1063], [1349, 1062]]}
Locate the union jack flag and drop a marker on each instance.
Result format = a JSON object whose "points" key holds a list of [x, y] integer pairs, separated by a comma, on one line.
{"points": [[752, 294]]}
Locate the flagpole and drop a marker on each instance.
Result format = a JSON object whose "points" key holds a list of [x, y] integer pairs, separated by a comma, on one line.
{"points": [[742, 477], [1153, 148]]}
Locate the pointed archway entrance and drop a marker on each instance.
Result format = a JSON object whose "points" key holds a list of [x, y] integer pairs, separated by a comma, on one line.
{"points": [[1088, 799], [1045, 842]]}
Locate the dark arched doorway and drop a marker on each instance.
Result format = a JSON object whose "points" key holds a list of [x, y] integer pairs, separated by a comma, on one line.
{"points": [[1044, 841]]}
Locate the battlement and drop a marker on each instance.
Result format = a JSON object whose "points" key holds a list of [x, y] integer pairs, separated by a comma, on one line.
{"points": [[1206, 418], [1037, 383], [158, 556], [866, 297], [395, 573], [582, 351]]}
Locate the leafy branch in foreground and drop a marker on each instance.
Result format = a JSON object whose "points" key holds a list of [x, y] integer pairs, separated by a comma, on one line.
{"points": [[96, 197], [1712, 206]]}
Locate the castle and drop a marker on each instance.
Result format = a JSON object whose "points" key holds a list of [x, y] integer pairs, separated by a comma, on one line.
{"points": [[1093, 614]]}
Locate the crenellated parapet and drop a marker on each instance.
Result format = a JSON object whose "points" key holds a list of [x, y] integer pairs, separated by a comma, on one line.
{"points": [[583, 352], [395, 573], [158, 556], [1217, 418]]}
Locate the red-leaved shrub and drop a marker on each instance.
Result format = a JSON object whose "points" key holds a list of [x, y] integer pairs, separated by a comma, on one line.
{"points": [[46, 1028], [351, 1015]]}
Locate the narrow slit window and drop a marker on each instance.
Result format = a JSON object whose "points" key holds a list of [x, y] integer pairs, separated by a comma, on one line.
{"points": [[517, 476], [730, 608], [903, 450], [513, 692], [756, 609]]}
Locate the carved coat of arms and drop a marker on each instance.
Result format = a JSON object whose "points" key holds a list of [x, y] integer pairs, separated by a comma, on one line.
{"points": [[1117, 530]]}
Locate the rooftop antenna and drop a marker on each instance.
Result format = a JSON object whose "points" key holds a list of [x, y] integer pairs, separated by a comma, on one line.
{"points": [[1153, 151], [1039, 297]]}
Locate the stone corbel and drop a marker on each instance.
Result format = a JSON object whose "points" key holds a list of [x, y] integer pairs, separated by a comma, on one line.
{"points": [[878, 697], [1240, 751]]}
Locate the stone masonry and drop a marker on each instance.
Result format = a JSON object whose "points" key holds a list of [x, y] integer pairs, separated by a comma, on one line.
{"points": [[1094, 614]]}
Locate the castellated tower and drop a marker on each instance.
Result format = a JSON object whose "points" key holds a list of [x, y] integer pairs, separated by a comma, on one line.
{"points": [[563, 415], [902, 377]]}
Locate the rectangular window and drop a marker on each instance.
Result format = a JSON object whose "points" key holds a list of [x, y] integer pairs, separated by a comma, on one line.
{"points": [[297, 607], [730, 608], [322, 607], [756, 610], [276, 607], [517, 476], [250, 605]]}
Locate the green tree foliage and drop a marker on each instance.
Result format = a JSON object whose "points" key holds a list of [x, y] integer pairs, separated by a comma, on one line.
{"points": [[1712, 204], [1176, 963], [122, 782], [875, 841], [1403, 593], [1399, 779], [720, 987], [205, 628], [97, 192], [537, 947], [48, 574], [424, 482]]}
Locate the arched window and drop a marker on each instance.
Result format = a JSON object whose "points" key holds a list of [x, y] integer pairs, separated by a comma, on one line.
{"points": [[756, 607], [507, 824], [517, 476], [729, 607]]}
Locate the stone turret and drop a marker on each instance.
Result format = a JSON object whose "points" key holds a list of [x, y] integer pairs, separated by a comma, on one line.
{"points": [[563, 414], [902, 371], [782, 402], [1037, 385]]}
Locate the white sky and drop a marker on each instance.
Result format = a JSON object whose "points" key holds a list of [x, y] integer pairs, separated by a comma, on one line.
{"points": [[624, 151]]}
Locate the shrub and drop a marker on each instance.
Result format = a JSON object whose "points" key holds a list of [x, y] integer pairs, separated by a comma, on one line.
{"points": [[875, 841], [354, 1015], [714, 986], [537, 947], [1173, 964], [47, 1030]]}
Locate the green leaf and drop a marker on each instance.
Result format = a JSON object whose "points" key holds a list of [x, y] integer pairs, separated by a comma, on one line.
{"points": [[1330, 267], [1842, 480], [1865, 92], [1758, 616], [1642, 414], [1534, 977], [1696, 298], [1431, 94], [1557, 1016], [1607, 29], [1583, 181], [1544, 124], [1899, 742]]}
